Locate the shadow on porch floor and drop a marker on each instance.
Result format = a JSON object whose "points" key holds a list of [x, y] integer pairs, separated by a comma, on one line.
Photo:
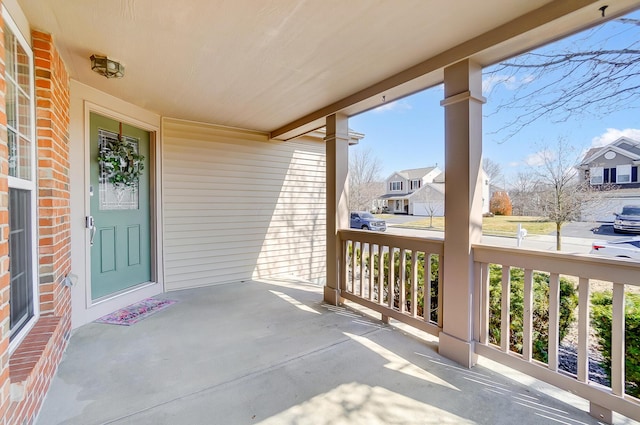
{"points": [[273, 353]]}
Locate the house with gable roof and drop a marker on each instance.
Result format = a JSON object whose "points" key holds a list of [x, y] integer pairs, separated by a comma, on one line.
{"points": [[400, 185], [616, 163], [420, 191]]}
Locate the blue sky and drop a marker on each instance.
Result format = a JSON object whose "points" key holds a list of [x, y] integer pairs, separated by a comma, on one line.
{"points": [[409, 133]]}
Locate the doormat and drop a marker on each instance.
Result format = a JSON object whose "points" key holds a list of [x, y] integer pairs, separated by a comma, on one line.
{"points": [[134, 313]]}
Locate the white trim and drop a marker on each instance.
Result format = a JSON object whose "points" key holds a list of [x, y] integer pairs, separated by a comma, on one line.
{"points": [[614, 148], [20, 21], [83, 97], [83, 101], [28, 185], [626, 167], [157, 285], [596, 172]]}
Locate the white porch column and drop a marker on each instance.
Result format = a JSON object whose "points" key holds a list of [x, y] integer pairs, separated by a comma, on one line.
{"points": [[463, 206], [337, 154]]}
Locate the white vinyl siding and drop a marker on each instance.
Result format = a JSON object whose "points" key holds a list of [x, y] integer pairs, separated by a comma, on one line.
{"points": [[238, 206]]}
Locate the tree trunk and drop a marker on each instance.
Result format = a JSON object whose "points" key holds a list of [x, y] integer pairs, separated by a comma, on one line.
{"points": [[558, 237]]}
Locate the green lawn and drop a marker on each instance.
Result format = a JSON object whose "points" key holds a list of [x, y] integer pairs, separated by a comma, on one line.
{"points": [[498, 225]]}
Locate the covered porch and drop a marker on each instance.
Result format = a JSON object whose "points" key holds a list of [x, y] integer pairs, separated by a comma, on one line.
{"points": [[272, 352], [244, 190]]}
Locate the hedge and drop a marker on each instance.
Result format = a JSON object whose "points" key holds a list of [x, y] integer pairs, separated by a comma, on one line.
{"points": [[540, 337], [601, 312]]}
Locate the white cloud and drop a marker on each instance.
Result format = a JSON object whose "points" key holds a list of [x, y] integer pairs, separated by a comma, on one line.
{"points": [[613, 134], [510, 82], [539, 158], [514, 164], [398, 105]]}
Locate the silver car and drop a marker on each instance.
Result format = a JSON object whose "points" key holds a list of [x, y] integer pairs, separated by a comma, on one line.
{"points": [[628, 220]]}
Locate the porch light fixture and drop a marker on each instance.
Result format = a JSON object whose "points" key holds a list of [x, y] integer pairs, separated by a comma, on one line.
{"points": [[107, 67]]}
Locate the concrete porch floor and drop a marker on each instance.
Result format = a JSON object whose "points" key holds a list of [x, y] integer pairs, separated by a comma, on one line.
{"points": [[273, 353]]}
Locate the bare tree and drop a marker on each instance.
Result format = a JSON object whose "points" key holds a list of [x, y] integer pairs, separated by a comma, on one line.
{"points": [[364, 179], [525, 194], [563, 79], [432, 199], [562, 194], [492, 168]]}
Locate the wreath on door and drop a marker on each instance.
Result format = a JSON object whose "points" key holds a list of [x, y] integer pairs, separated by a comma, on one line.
{"points": [[120, 162]]}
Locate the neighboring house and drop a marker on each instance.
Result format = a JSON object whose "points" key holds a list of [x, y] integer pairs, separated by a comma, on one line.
{"points": [[614, 164], [402, 184], [420, 192]]}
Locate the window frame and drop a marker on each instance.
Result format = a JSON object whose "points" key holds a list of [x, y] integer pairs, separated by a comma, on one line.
{"points": [[596, 172], [27, 184], [619, 173]]}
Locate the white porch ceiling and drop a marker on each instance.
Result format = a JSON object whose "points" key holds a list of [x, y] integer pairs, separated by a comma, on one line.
{"points": [[283, 64]]}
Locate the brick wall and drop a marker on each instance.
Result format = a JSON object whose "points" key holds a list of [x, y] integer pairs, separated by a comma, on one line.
{"points": [[26, 375], [52, 122]]}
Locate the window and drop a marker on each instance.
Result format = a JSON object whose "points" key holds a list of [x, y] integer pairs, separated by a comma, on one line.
{"points": [[597, 175], [19, 106], [415, 184], [623, 173], [395, 186]]}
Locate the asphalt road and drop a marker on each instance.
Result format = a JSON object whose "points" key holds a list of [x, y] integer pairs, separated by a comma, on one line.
{"points": [[588, 230], [576, 237]]}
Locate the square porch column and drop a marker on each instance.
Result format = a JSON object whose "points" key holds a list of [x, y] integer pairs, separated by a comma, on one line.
{"points": [[463, 207], [337, 157]]}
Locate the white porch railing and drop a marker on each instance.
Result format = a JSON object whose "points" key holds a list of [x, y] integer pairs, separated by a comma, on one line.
{"points": [[393, 276], [401, 277], [584, 268]]}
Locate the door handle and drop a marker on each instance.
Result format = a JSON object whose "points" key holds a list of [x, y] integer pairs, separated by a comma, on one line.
{"points": [[91, 225]]}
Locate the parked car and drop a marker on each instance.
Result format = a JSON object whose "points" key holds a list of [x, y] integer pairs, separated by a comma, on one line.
{"points": [[366, 221], [624, 248], [628, 220]]}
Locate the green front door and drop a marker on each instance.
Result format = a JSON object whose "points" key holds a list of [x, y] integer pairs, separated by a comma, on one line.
{"points": [[120, 250]]}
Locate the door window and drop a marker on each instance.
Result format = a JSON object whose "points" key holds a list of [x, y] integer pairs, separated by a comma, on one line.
{"points": [[116, 196]]}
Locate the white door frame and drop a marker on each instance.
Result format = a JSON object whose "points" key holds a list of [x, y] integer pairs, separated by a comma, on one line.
{"points": [[86, 100]]}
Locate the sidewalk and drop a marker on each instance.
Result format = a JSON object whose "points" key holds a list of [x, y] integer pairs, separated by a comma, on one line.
{"points": [[541, 242]]}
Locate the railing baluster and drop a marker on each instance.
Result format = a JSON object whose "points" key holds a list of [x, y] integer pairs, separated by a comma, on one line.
{"points": [[583, 330], [360, 281], [403, 278], [414, 283], [484, 303], [344, 273], [353, 267], [441, 289], [426, 311], [617, 340], [527, 322], [392, 276], [554, 320], [371, 271], [505, 335], [380, 274]]}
